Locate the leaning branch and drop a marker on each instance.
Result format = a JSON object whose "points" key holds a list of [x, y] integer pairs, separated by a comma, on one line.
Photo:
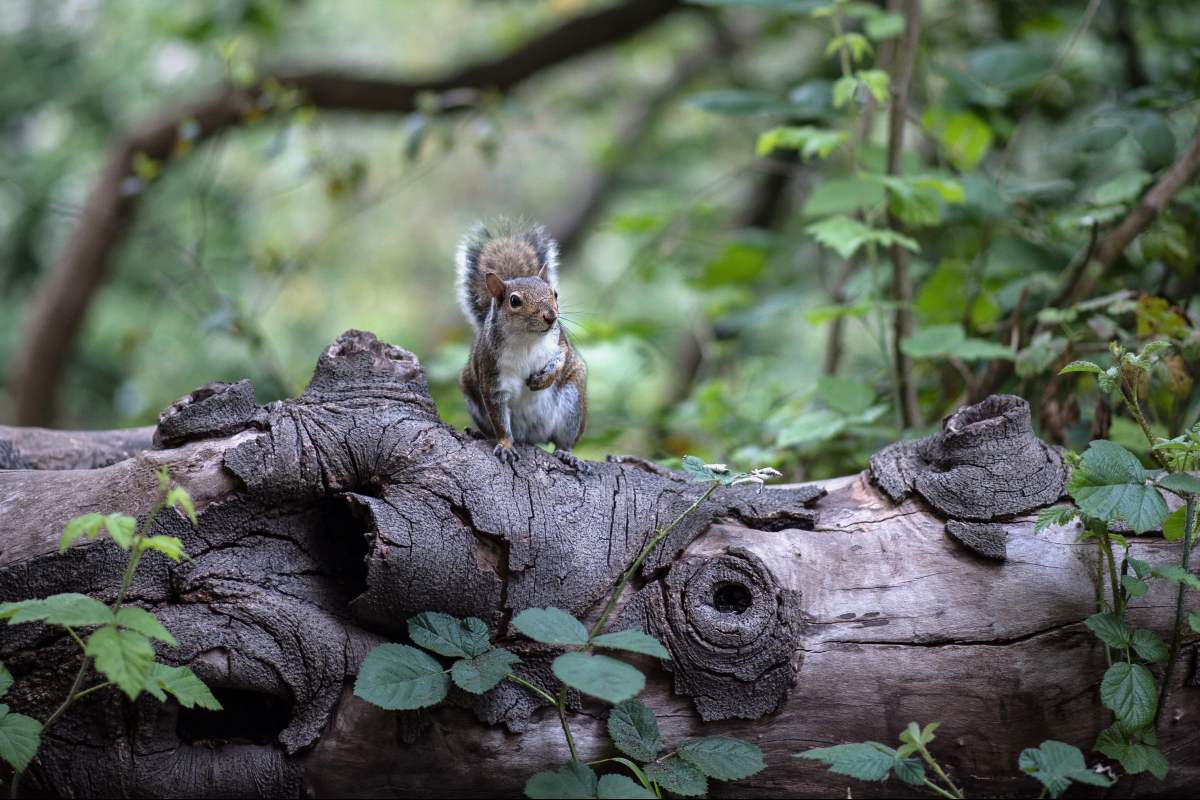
{"points": [[61, 301]]}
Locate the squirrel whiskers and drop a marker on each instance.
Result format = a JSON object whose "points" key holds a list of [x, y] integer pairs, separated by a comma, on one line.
{"points": [[524, 382]]}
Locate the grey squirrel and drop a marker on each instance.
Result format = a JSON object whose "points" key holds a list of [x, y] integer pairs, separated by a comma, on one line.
{"points": [[524, 381]]}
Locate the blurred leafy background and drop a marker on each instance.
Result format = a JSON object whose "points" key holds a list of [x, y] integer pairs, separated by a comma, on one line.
{"points": [[719, 178]]}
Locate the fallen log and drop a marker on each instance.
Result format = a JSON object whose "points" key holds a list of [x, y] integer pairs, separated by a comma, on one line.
{"points": [[796, 616]]}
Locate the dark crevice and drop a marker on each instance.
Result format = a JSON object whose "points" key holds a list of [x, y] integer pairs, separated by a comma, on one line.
{"points": [[731, 598], [345, 554], [247, 717]]}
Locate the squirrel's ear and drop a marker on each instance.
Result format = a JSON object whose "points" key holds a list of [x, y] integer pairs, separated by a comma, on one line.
{"points": [[494, 285], [542, 273]]}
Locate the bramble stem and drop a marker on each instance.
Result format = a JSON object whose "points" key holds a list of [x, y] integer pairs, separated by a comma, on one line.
{"points": [[1189, 522], [637, 564], [939, 790], [91, 689], [954, 792]]}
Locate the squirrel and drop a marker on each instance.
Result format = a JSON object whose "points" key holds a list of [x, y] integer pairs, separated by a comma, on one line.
{"points": [[524, 382]]}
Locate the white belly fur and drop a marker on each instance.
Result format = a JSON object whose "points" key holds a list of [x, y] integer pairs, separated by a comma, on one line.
{"points": [[534, 415]]}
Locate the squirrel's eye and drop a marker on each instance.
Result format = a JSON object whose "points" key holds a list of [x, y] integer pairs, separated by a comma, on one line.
{"points": [[514, 301]]}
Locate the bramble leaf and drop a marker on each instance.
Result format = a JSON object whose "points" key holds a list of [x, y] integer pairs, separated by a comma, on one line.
{"points": [[551, 626], [599, 676], [449, 636], [182, 684], [398, 677], [1057, 764], [575, 780], [1130, 692], [634, 731], [169, 546], [1174, 524], [481, 673], [633, 641], [71, 609], [20, 737], [866, 761], [1180, 483], [679, 777], [122, 656], [1110, 484], [145, 623], [179, 498], [1054, 515], [620, 786], [1149, 646], [6, 679], [723, 757], [1110, 629]]}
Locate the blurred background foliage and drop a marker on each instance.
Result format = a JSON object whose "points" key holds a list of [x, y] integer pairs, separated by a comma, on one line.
{"points": [[732, 295]]}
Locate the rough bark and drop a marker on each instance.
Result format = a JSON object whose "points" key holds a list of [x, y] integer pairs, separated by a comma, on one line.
{"points": [[63, 297], [796, 616]]}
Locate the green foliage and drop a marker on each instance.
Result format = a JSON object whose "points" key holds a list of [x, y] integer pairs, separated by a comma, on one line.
{"points": [[679, 777], [950, 341], [20, 737], [1131, 692], [123, 656], [71, 609], [573, 780], [634, 731], [845, 236], [633, 641], [182, 684], [1054, 515], [447, 636], [483, 672], [599, 676], [397, 677], [811, 142], [1135, 749], [1110, 484], [551, 626], [1057, 765], [723, 758], [866, 761]]}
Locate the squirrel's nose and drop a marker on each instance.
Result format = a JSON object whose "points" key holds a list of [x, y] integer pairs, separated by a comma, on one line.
{"points": [[549, 316]]}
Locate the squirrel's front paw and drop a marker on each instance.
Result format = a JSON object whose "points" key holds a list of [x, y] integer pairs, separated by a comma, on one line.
{"points": [[506, 453], [571, 460]]}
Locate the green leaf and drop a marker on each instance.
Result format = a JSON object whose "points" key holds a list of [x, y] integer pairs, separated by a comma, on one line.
{"points": [[1081, 366], [967, 139], [122, 656], [1130, 692], [1110, 629], [909, 770], [620, 786], [917, 736], [169, 546], [551, 626], [483, 672], [88, 524], [1135, 586], [843, 90], [1173, 525], [679, 777], [843, 196], [1141, 568], [634, 731], [634, 641], [1110, 484], [845, 395], [1149, 646], [812, 142], [723, 757], [878, 83], [179, 498], [575, 780], [1054, 515], [145, 623], [811, 427], [71, 609], [884, 26], [1178, 575], [6, 679], [182, 684], [599, 676], [20, 737], [398, 677], [1057, 764], [1180, 483], [1133, 749], [121, 528], [1121, 189], [950, 341], [866, 761], [698, 469], [844, 235], [449, 636]]}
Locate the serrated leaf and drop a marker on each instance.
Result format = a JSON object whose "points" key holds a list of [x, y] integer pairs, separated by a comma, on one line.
{"points": [[723, 757], [449, 636], [551, 626], [122, 656], [1081, 366], [950, 341], [1178, 575], [121, 528], [679, 777], [6, 679], [1134, 756], [398, 677], [696, 467], [1141, 568], [909, 770], [1055, 515], [634, 731], [866, 761], [20, 737], [1057, 764], [884, 26], [810, 141], [145, 623], [1149, 646], [1130, 692], [71, 609], [182, 684], [633, 641], [575, 780], [88, 524], [599, 676], [1180, 483], [845, 236], [179, 498], [845, 395], [1173, 525], [1136, 587], [1110, 484], [811, 427], [481, 673], [169, 546], [1110, 629], [620, 786]]}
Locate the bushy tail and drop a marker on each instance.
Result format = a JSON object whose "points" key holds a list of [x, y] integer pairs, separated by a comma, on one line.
{"points": [[515, 250]]}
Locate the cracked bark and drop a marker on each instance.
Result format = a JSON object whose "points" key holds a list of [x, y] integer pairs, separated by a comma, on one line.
{"points": [[795, 615]]}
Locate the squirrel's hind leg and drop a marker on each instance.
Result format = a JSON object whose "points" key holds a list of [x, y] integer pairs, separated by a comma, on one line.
{"points": [[572, 460]]}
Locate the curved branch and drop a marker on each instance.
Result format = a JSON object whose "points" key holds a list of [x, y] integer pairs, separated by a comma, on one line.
{"points": [[62, 300]]}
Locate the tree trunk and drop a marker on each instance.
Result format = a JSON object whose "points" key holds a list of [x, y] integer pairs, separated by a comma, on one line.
{"points": [[796, 616]]}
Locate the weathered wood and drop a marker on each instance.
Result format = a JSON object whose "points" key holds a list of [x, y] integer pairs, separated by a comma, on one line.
{"points": [[41, 448], [796, 616]]}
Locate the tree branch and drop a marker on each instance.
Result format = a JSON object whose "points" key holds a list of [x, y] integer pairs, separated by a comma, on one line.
{"points": [[61, 301], [902, 289]]}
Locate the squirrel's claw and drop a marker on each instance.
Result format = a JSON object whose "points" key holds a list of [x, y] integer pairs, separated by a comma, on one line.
{"points": [[573, 461], [506, 454]]}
